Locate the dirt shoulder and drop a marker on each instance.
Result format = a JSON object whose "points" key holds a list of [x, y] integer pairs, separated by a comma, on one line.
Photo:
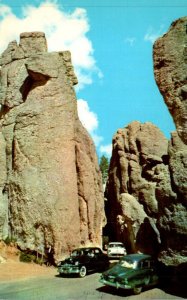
{"points": [[12, 270]]}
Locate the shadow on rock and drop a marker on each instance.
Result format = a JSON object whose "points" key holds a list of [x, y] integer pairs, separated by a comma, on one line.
{"points": [[173, 279]]}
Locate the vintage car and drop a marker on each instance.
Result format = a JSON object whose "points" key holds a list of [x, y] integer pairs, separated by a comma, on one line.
{"points": [[133, 271], [84, 260], [115, 249]]}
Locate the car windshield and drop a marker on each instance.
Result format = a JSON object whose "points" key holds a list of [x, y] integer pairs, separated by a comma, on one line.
{"points": [[129, 264], [115, 245], [80, 252], [76, 253]]}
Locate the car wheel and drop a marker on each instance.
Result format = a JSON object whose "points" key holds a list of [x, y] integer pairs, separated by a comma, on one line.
{"points": [[82, 272], [137, 290]]}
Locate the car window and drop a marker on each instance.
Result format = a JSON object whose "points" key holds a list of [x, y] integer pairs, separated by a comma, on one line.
{"points": [[90, 253], [115, 245], [120, 245], [76, 253], [129, 264], [147, 264], [112, 245], [97, 251], [152, 264]]}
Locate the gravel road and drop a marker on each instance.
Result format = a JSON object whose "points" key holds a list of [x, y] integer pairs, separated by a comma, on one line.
{"points": [[71, 288]]}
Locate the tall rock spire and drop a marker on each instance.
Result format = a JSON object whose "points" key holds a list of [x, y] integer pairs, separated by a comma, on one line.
{"points": [[51, 186]]}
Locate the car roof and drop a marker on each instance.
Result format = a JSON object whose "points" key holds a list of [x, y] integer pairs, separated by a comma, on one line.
{"points": [[86, 248], [115, 243], [138, 256]]}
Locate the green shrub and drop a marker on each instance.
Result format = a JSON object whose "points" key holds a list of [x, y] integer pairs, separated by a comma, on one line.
{"points": [[30, 257], [26, 257], [10, 240]]}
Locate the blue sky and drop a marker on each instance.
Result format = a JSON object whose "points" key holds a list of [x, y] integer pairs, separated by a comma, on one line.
{"points": [[111, 43]]}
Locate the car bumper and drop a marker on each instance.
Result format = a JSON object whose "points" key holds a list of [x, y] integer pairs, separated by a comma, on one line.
{"points": [[117, 285], [69, 270], [114, 255]]}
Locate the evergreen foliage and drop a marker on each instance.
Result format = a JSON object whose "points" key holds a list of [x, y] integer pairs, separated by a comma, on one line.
{"points": [[104, 166]]}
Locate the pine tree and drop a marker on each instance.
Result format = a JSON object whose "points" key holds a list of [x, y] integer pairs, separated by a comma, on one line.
{"points": [[104, 165]]}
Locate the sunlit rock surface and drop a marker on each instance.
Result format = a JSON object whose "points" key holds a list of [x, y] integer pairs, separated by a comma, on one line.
{"points": [[50, 183]]}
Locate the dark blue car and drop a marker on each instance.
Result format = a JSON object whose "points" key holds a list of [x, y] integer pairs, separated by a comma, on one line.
{"points": [[84, 260]]}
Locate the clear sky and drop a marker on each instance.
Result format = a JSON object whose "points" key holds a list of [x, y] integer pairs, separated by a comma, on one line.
{"points": [[111, 43]]}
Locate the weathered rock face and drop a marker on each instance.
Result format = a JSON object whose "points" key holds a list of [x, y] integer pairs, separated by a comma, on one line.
{"points": [[170, 69], [50, 183], [147, 187], [139, 167]]}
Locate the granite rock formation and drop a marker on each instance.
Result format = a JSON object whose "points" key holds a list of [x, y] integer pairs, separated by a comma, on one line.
{"points": [[147, 187], [170, 69], [137, 169], [50, 184]]}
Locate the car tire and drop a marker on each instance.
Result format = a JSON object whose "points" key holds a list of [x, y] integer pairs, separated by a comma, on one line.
{"points": [[82, 272], [137, 290]]}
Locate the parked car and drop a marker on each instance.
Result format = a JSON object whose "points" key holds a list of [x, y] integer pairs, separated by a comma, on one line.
{"points": [[116, 249], [84, 260], [133, 271]]}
